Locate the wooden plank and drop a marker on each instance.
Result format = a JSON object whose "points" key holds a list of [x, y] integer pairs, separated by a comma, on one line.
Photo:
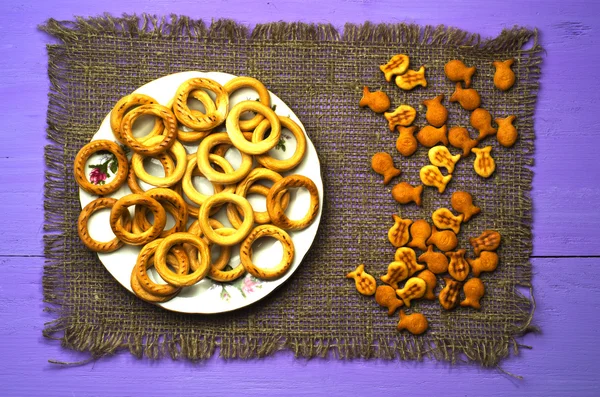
{"points": [[561, 361]]}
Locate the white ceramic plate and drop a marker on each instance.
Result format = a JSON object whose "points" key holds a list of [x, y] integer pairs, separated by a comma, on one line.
{"points": [[208, 296]]}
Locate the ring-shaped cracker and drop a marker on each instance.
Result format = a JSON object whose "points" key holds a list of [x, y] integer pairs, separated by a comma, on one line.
{"points": [[242, 190], [209, 172], [277, 213], [188, 186], [82, 225], [284, 264], [178, 260], [217, 273], [160, 259], [209, 106], [240, 233], [165, 160], [282, 165], [127, 103], [194, 228], [225, 251], [150, 146], [119, 208], [172, 202], [263, 95], [197, 120], [86, 152], [264, 190], [177, 150], [141, 293], [237, 137]]}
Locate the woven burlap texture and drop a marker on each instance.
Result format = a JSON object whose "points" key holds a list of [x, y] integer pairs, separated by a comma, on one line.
{"points": [[319, 72]]}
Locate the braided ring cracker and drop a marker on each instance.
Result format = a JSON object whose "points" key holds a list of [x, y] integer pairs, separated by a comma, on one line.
{"points": [[165, 160], [149, 146], [119, 208], [217, 273], [209, 172], [241, 232], [138, 287], [179, 280], [242, 189], [127, 103], [282, 165], [173, 203], [177, 150], [209, 106], [284, 264], [144, 295], [82, 223], [178, 260], [197, 120], [236, 135], [277, 213], [225, 251], [86, 152], [188, 186], [263, 95]]}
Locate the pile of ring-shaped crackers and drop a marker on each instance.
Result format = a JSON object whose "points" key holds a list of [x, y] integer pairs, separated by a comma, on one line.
{"points": [[181, 255]]}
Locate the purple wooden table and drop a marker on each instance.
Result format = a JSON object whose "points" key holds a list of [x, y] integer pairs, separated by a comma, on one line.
{"points": [[566, 195]]}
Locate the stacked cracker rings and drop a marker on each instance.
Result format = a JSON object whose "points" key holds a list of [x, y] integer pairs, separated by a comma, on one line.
{"points": [[181, 254]]}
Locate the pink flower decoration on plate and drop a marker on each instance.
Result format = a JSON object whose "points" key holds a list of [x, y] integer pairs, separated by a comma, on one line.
{"points": [[248, 285], [97, 176]]}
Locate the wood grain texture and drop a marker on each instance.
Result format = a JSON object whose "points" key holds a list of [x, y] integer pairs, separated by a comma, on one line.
{"points": [[566, 197], [560, 363]]}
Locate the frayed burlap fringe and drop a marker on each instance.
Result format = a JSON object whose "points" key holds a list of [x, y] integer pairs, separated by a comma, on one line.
{"points": [[149, 26], [100, 342]]}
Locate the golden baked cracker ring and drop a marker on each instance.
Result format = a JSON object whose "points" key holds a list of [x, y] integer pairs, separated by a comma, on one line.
{"points": [[221, 149], [224, 254], [236, 135], [173, 203], [193, 210], [263, 95], [149, 146], [119, 208], [142, 289], [82, 229], [216, 271], [177, 150], [209, 106], [242, 189], [197, 120], [282, 165], [263, 191], [195, 229], [178, 260], [86, 152], [145, 295], [241, 232], [178, 280], [284, 264], [188, 187], [209, 172], [165, 160], [127, 103], [277, 213], [141, 223]]}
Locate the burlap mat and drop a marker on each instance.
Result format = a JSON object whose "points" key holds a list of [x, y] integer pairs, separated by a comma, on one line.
{"points": [[319, 72]]}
